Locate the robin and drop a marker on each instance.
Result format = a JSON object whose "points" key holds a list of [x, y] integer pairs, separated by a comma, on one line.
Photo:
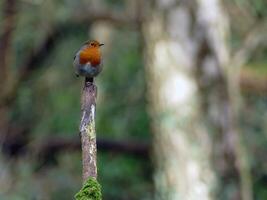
{"points": [[87, 61]]}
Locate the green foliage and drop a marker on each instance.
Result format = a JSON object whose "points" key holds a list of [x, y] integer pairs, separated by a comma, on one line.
{"points": [[91, 190], [122, 90], [124, 177]]}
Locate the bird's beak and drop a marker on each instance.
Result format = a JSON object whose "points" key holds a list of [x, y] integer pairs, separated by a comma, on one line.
{"points": [[101, 45]]}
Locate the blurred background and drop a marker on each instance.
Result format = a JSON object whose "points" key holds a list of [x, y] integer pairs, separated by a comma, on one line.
{"points": [[181, 106]]}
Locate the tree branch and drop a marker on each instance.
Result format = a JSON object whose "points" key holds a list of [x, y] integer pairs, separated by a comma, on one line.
{"points": [[255, 38], [49, 147], [33, 61], [89, 15], [252, 83]]}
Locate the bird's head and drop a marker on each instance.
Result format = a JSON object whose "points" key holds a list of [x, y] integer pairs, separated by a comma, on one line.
{"points": [[93, 44]]}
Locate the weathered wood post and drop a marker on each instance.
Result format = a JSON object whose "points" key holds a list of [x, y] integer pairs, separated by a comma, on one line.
{"points": [[87, 129], [91, 189]]}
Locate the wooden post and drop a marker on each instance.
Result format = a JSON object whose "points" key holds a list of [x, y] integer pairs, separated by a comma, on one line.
{"points": [[91, 188], [87, 129]]}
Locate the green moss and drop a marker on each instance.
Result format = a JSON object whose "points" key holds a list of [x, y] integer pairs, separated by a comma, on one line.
{"points": [[91, 191]]}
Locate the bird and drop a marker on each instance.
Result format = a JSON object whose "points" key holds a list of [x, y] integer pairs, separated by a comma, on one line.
{"points": [[88, 60]]}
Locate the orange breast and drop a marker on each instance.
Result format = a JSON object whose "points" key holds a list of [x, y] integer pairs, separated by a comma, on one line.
{"points": [[91, 55]]}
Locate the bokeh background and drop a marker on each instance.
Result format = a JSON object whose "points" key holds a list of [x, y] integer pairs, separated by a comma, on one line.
{"points": [[140, 118]]}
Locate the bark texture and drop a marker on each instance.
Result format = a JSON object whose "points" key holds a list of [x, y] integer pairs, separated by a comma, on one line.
{"points": [[87, 130]]}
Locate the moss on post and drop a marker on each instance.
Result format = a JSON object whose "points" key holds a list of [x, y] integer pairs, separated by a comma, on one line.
{"points": [[91, 191]]}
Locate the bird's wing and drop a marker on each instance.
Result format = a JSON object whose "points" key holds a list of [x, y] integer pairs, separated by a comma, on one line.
{"points": [[76, 60]]}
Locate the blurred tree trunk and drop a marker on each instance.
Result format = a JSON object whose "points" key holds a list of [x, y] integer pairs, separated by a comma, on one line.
{"points": [[196, 142], [9, 14]]}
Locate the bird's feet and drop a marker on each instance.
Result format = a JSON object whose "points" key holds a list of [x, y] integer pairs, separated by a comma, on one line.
{"points": [[90, 80]]}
